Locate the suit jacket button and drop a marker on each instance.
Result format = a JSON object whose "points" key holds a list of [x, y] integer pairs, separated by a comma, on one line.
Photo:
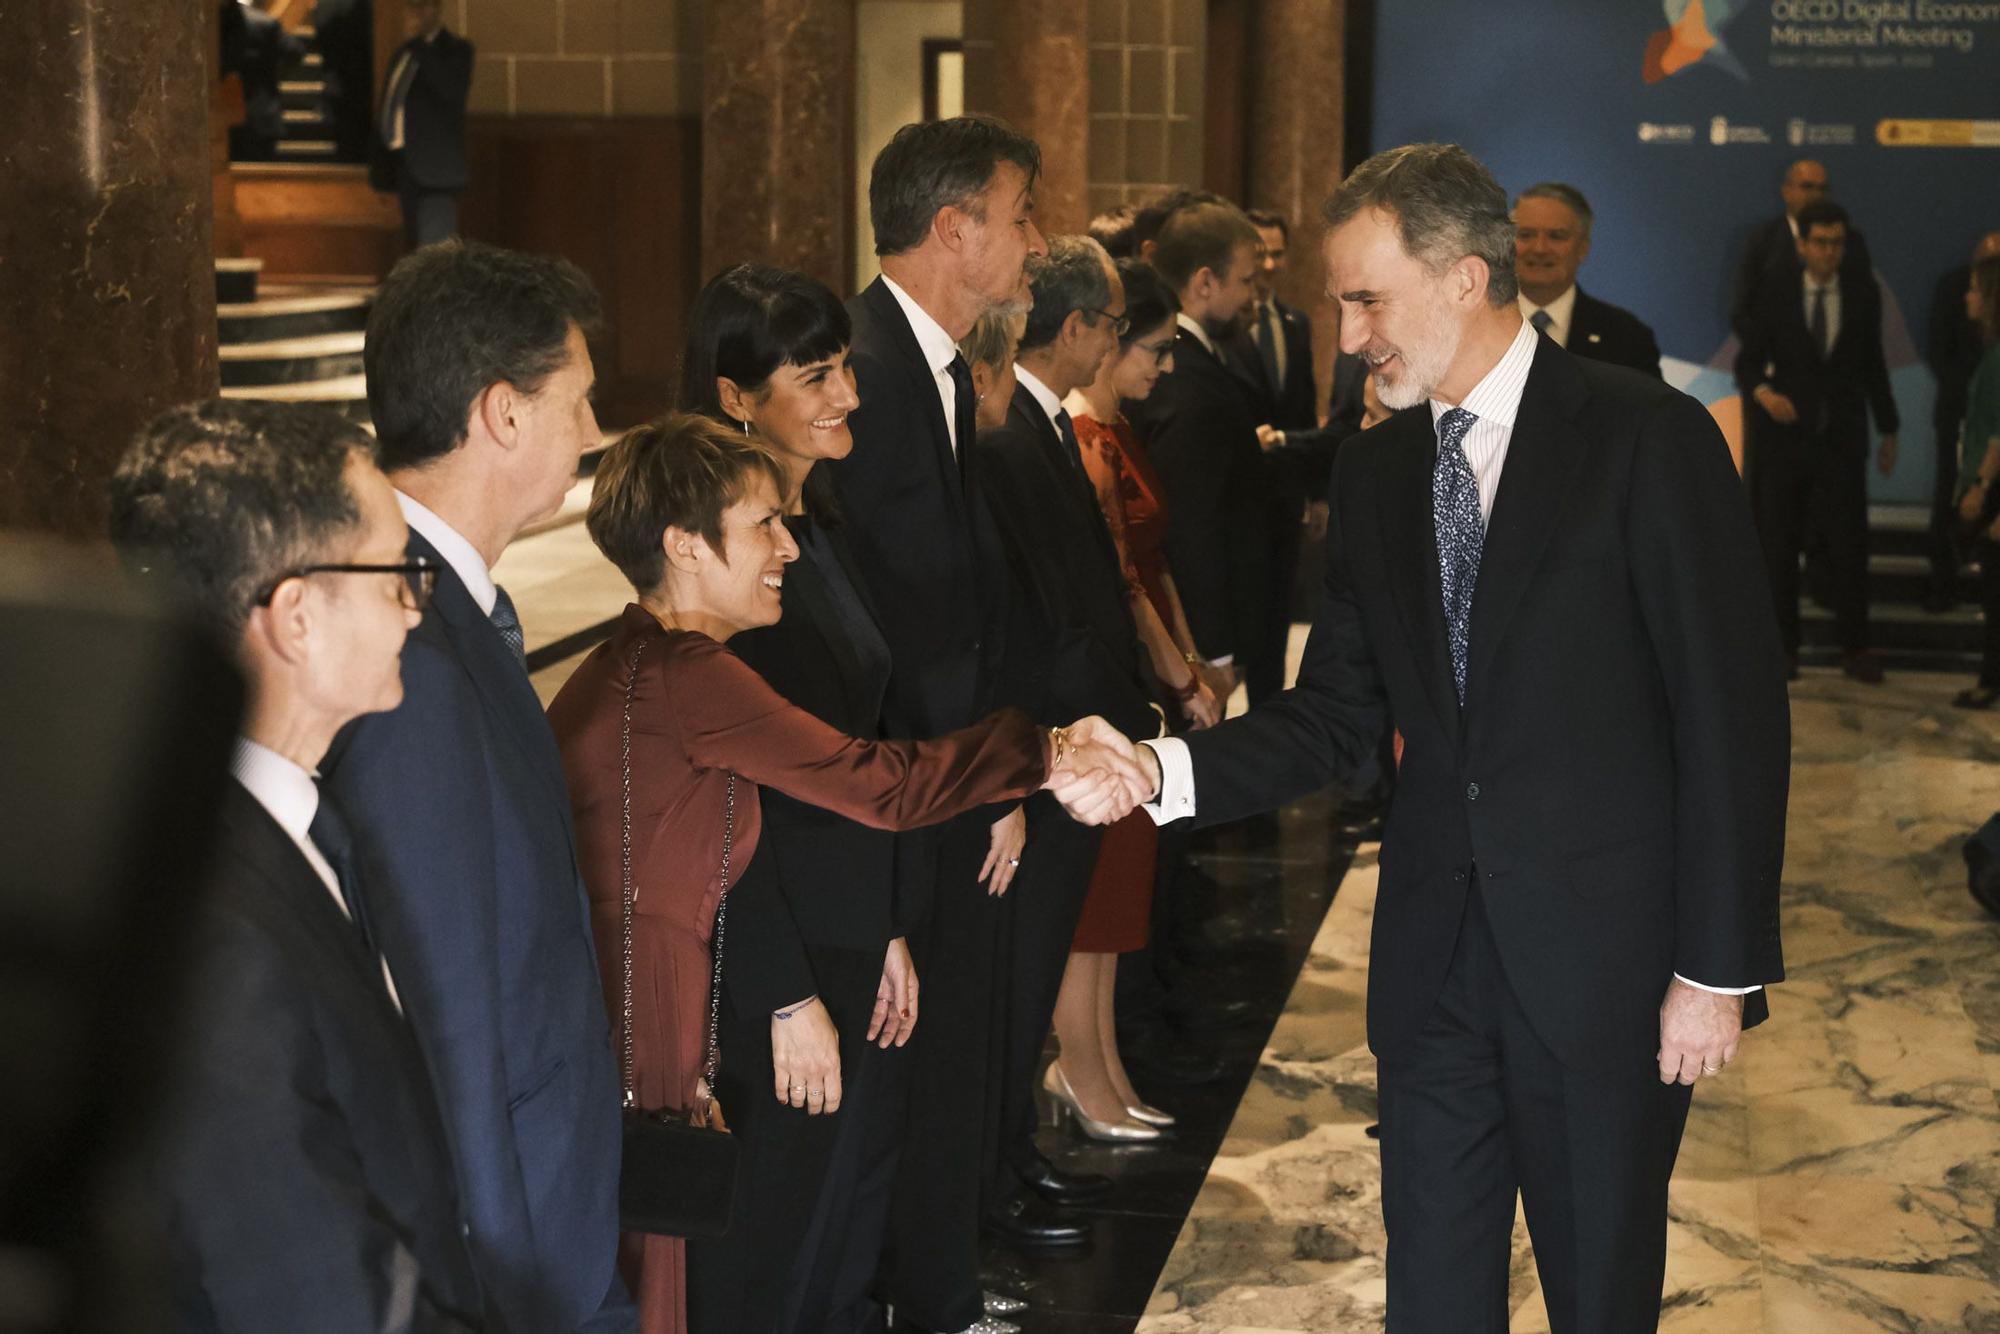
{"points": [[1459, 876], [465, 1230], [1472, 792]]}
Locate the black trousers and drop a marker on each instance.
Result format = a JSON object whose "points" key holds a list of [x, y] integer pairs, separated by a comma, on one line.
{"points": [[1988, 552], [931, 1262], [1264, 673], [1941, 544], [428, 215], [1476, 1109], [1038, 923], [1812, 487], [801, 1253]]}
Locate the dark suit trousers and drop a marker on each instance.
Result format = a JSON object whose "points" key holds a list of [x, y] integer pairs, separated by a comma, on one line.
{"points": [[1811, 488], [1038, 925], [428, 215], [1477, 1108], [804, 1242], [1941, 547], [1264, 673], [931, 1262]]}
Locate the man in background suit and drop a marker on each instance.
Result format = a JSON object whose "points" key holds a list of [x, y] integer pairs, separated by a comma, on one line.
{"points": [[457, 798], [1772, 252], [1536, 577], [1953, 351], [305, 1172], [1073, 651], [418, 151], [1811, 369], [1199, 427], [1551, 241], [952, 203]]}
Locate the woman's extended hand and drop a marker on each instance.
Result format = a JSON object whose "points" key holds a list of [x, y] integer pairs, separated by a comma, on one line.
{"points": [[895, 1016], [805, 1057], [1003, 854], [1202, 708]]}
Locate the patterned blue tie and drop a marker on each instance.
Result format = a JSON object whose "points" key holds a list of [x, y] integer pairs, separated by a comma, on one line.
{"points": [[1460, 534], [508, 622]]}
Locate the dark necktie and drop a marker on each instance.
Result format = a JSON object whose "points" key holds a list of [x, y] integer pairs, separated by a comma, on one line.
{"points": [[1461, 531], [1073, 452], [1541, 319], [965, 411], [330, 833], [1819, 322], [1269, 342], [508, 623]]}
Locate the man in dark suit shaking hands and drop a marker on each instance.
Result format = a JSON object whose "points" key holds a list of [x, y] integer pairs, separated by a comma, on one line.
{"points": [[1540, 574], [479, 382], [1551, 240], [304, 1170], [418, 151]]}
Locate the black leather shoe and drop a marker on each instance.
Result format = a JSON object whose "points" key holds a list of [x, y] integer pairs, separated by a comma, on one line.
{"points": [[1211, 1015], [1032, 1228], [1060, 1187], [1174, 1063]]}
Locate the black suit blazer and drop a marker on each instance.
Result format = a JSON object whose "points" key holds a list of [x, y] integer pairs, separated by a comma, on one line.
{"points": [[306, 1170], [1771, 253], [1605, 332], [925, 544], [433, 153], [462, 817], [1077, 647], [1293, 405], [1835, 394], [833, 878], [1615, 783], [1199, 427]]}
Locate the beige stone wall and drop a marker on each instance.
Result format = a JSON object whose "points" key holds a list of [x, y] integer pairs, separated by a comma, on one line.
{"points": [[583, 57], [1147, 62]]}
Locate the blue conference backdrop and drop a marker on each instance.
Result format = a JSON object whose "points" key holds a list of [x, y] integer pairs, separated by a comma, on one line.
{"points": [[1677, 119]]}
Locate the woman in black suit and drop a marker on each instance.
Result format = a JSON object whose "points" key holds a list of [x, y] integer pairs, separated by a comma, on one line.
{"points": [[768, 353]]}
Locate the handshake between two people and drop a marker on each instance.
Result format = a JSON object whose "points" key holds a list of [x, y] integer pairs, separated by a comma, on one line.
{"points": [[1098, 774]]}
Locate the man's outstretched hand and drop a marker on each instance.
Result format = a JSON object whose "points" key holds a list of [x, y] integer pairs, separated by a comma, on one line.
{"points": [[1104, 776]]}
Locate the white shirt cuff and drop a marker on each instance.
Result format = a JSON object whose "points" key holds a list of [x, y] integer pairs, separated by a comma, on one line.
{"points": [[1223, 661], [1700, 986], [1176, 799]]}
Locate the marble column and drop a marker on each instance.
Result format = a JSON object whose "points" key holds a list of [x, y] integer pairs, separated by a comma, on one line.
{"points": [[107, 287], [777, 122], [1298, 60], [1027, 62], [225, 108]]}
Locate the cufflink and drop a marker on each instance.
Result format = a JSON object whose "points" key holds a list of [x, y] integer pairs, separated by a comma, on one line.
{"points": [[1593, 338]]}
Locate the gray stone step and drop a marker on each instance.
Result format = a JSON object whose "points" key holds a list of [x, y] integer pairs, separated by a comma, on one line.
{"points": [[313, 358], [275, 317], [236, 279], [347, 394]]}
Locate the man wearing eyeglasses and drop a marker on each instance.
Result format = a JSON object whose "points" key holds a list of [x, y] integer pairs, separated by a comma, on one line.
{"points": [[1071, 644], [303, 1169]]}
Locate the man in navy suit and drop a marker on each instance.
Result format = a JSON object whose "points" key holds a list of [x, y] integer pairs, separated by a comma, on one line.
{"points": [[418, 150], [479, 383], [1551, 241], [303, 1170]]}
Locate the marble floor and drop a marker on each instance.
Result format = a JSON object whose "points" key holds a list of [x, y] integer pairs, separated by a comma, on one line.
{"points": [[1843, 1175]]}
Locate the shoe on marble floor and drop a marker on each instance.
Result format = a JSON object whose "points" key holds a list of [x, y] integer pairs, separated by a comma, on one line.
{"points": [[1977, 697], [987, 1324], [1862, 666], [1002, 1304], [1033, 1228], [1150, 1115], [1125, 1130], [1060, 1187]]}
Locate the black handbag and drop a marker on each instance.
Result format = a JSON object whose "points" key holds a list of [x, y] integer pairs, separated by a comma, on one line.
{"points": [[678, 1176]]}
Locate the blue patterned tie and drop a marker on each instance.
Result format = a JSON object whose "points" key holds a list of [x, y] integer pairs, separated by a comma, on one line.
{"points": [[508, 623], [1460, 533]]}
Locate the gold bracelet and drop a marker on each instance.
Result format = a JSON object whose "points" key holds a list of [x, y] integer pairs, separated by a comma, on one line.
{"points": [[1059, 740]]}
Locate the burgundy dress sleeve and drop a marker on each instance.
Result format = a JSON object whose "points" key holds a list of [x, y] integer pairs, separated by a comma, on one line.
{"points": [[730, 718]]}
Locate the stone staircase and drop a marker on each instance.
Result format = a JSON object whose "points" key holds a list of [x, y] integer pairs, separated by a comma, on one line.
{"points": [[1905, 635], [309, 134], [291, 343]]}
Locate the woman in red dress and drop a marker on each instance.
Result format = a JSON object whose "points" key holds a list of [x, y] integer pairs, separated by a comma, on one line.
{"points": [[1089, 1077], [693, 516]]}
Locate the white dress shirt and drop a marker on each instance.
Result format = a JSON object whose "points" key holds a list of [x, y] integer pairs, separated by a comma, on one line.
{"points": [[290, 796], [1193, 326], [1561, 311], [939, 348], [398, 85], [1269, 316], [461, 555], [1495, 401]]}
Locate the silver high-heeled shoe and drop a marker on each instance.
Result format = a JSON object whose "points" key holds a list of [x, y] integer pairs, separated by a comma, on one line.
{"points": [[1150, 1115], [1124, 1131]]}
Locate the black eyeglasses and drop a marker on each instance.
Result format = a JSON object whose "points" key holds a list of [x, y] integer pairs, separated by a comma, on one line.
{"points": [[1120, 324], [1161, 353], [420, 576]]}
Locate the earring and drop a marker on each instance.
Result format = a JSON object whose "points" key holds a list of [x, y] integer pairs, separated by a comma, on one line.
{"points": [[746, 428], [977, 399]]}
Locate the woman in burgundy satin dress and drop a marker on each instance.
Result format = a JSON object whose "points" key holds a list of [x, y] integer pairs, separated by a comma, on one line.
{"points": [[693, 516]]}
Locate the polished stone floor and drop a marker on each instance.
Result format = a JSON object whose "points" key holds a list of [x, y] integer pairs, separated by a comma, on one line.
{"points": [[1844, 1175]]}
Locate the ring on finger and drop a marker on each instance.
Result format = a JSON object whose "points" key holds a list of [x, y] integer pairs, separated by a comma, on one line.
{"points": [[1013, 861]]}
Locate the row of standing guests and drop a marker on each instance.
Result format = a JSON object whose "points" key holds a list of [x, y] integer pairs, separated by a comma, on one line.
{"points": [[402, 1101]]}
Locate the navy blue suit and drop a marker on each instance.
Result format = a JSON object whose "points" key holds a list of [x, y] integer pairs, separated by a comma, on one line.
{"points": [[460, 810]]}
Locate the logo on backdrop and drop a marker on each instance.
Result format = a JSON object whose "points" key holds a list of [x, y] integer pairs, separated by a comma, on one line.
{"points": [[1721, 131], [1693, 36]]}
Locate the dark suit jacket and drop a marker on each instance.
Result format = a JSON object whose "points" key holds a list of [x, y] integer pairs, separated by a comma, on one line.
{"points": [[1834, 395], [307, 1172], [1070, 619], [1199, 428], [1293, 405], [1605, 332], [1772, 253], [433, 153], [922, 538], [833, 878], [1953, 350], [1615, 783], [462, 816]]}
